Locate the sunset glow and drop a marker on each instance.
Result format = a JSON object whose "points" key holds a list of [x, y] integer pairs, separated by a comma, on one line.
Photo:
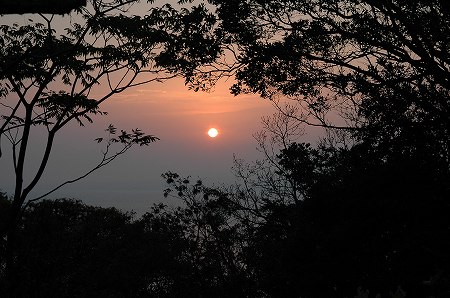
{"points": [[212, 132]]}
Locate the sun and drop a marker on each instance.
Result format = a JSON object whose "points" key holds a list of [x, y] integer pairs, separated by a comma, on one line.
{"points": [[212, 132]]}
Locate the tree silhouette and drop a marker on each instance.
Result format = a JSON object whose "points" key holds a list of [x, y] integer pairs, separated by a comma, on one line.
{"points": [[379, 72], [52, 77], [363, 223], [66, 248], [364, 212], [379, 69], [34, 6]]}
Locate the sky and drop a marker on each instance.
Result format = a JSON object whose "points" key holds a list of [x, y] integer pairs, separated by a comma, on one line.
{"points": [[181, 119], [178, 116]]}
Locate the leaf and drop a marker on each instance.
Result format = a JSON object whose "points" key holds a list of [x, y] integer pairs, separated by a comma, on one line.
{"points": [[111, 129]]}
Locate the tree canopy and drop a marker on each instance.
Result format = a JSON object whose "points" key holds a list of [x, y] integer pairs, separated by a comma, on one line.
{"points": [[375, 74], [362, 213], [379, 69], [52, 76], [34, 6]]}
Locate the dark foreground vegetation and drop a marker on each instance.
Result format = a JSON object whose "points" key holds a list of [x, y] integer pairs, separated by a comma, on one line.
{"points": [[364, 213], [361, 226]]}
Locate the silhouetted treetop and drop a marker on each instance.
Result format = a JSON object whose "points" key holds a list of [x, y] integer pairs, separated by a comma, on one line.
{"points": [[365, 212], [39, 6], [337, 44], [380, 69], [54, 72]]}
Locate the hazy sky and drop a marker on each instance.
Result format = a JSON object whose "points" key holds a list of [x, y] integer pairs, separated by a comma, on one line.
{"points": [[179, 117]]}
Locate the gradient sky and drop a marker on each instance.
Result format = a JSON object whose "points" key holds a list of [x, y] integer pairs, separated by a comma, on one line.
{"points": [[179, 117]]}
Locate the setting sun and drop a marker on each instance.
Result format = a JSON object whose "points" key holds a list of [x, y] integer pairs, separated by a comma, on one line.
{"points": [[212, 132]]}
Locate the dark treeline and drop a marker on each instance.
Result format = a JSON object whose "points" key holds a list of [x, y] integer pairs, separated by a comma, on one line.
{"points": [[363, 213], [361, 227]]}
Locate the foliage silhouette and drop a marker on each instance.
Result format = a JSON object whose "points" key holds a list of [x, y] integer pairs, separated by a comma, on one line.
{"points": [[33, 6], [360, 227], [66, 248], [379, 72], [50, 78], [365, 212], [363, 66], [361, 224]]}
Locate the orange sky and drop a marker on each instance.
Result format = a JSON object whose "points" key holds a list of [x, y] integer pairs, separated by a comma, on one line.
{"points": [[168, 110], [179, 117]]}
